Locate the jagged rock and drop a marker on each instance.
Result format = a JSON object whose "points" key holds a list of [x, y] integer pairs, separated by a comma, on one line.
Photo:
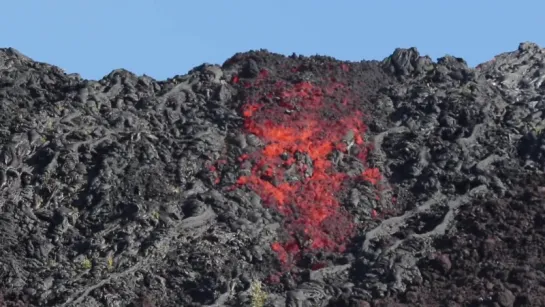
{"points": [[273, 180]]}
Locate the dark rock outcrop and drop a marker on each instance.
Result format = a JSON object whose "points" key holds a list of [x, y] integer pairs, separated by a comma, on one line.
{"points": [[275, 181]]}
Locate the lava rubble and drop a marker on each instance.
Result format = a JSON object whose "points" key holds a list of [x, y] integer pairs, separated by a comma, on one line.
{"points": [[275, 181]]}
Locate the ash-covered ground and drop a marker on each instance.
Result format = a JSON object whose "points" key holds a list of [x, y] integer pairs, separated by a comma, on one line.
{"points": [[275, 181]]}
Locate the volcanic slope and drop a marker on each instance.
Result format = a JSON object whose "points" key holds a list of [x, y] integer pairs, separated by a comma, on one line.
{"points": [[275, 181]]}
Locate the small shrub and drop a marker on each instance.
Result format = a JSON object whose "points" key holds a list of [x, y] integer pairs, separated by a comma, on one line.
{"points": [[86, 264], [259, 297]]}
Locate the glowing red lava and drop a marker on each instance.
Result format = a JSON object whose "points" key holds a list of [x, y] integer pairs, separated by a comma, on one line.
{"points": [[302, 125]]}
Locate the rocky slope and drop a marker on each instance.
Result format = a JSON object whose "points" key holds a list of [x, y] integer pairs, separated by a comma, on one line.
{"points": [[275, 181]]}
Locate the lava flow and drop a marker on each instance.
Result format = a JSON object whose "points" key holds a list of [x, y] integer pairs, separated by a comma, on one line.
{"points": [[303, 126]]}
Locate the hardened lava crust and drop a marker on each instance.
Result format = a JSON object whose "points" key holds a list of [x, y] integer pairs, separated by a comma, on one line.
{"points": [[275, 180]]}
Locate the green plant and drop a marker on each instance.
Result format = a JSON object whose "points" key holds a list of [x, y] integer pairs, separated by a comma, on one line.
{"points": [[86, 264], [259, 296], [110, 263]]}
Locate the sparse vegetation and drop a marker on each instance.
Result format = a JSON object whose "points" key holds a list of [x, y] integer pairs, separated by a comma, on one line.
{"points": [[86, 264], [110, 263], [259, 296]]}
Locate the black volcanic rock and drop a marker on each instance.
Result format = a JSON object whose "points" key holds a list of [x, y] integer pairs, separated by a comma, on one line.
{"points": [[275, 181]]}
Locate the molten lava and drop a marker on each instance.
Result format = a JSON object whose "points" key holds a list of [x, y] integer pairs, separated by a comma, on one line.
{"points": [[302, 125]]}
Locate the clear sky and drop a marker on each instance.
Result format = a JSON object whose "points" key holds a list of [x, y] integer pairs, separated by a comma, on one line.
{"points": [[163, 38]]}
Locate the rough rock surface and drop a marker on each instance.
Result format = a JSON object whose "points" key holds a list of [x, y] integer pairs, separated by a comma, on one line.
{"points": [[275, 181]]}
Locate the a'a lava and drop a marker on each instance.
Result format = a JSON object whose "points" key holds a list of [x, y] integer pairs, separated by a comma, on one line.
{"points": [[302, 126]]}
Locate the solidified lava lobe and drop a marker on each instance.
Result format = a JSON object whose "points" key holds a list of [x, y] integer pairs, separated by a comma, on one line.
{"points": [[302, 125]]}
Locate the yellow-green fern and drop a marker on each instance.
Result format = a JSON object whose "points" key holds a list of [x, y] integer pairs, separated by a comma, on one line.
{"points": [[86, 264], [110, 263], [259, 297]]}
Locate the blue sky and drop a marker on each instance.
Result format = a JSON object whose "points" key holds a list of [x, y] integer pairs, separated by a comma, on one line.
{"points": [[162, 38]]}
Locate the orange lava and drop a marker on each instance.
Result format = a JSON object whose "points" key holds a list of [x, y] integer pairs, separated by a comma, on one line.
{"points": [[302, 125]]}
